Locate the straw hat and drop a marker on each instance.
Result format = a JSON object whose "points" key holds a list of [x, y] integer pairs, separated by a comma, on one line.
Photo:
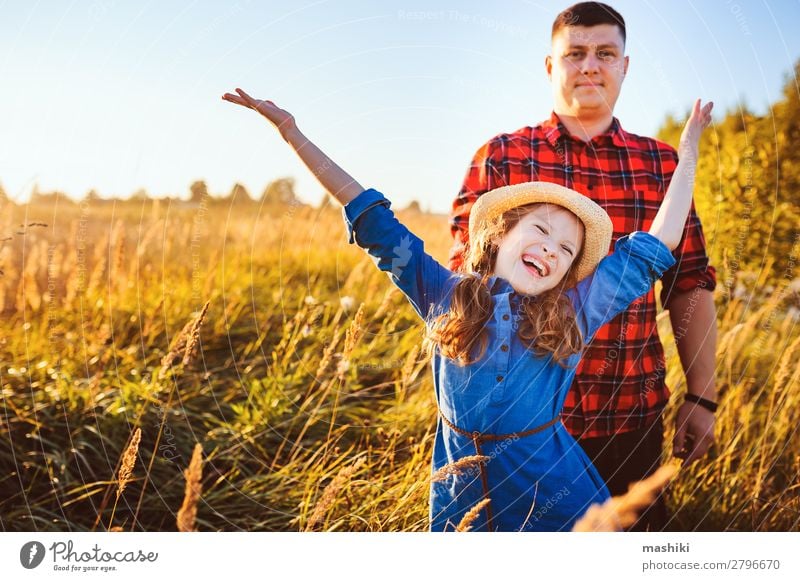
{"points": [[597, 224]]}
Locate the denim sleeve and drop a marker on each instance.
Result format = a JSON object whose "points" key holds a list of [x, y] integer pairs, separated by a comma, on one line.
{"points": [[638, 260], [397, 251]]}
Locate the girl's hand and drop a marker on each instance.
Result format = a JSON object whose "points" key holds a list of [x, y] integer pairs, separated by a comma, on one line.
{"points": [[283, 120], [698, 121]]}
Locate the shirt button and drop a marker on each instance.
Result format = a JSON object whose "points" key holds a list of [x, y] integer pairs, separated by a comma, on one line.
{"points": [[499, 378], [590, 186], [505, 317], [504, 348]]}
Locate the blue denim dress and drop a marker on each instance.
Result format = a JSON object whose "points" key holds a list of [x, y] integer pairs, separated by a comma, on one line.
{"points": [[540, 481]]}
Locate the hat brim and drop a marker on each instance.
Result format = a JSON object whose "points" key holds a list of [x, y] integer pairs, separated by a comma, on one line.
{"points": [[596, 222]]}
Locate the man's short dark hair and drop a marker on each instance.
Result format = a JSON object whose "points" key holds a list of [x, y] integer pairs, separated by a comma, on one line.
{"points": [[588, 14]]}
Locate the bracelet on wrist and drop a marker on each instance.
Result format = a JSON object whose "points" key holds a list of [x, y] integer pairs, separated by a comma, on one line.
{"points": [[701, 401]]}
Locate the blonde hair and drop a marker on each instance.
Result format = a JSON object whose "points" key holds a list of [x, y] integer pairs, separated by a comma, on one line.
{"points": [[548, 324]]}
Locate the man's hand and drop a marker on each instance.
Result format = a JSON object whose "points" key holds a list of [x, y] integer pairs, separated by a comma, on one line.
{"points": [[281, 119], [694, 432]]}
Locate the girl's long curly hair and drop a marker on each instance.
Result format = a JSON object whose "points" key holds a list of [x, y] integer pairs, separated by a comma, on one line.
{"points": [[547, 325]]}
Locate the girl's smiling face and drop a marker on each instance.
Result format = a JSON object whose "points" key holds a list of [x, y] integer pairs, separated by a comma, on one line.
{"points": [[535, 254]]}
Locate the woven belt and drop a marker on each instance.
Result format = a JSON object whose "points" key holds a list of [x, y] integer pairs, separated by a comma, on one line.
{"points": [[478, 438]]}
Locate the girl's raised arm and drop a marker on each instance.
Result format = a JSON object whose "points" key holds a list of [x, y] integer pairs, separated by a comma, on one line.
{"points": [[670, 220], [370, 223], [338, 182]]}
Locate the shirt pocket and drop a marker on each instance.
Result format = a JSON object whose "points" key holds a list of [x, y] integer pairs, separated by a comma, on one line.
{"points": [[631, 209]]}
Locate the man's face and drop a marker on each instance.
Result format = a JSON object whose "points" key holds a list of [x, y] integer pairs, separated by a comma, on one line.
{"points": [[535, 254], [586, 69]]}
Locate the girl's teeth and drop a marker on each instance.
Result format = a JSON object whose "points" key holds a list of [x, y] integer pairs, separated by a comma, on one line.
{"points": [[536, 264]]}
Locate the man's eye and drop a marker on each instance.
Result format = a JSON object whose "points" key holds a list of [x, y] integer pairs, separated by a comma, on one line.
{"points": [[574, 54]]}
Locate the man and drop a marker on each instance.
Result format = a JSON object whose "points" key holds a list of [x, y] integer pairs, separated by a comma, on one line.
{"points": [[615, 404]]}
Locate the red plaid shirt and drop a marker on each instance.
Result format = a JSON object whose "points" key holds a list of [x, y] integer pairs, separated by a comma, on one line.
{"points": [[619, 385]]}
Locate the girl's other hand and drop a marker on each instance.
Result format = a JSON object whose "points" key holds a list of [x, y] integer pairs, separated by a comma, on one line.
{"points": [[283, 120], [698, 121]]}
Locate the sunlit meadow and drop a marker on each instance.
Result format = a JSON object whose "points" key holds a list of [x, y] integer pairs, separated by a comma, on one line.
{"points": [[208, 366]]}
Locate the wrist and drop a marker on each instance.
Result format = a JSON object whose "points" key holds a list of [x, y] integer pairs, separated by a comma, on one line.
{"points": [[705, 389], [701, 401], [292, 135]]}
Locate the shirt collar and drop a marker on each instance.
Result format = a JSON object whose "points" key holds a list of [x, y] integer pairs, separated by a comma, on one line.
{"points": [[554, 131], [498, 286]]}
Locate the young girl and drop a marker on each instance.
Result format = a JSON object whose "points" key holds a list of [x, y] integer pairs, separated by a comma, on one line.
{"points": [[506, 337]]}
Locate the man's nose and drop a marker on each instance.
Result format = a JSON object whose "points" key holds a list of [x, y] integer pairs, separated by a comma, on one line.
{"points": [[591, 64]]}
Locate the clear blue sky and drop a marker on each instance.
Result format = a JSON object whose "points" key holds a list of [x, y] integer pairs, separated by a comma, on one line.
{"points": [[119, 95]]}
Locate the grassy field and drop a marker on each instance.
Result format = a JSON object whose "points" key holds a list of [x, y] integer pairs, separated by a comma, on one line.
{"points": [[301, 380]]}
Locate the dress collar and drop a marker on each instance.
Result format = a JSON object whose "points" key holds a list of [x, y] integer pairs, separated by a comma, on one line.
{"points": [[499, 286], [555, 130]]}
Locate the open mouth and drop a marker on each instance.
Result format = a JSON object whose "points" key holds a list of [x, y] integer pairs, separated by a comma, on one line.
{"points": [[535, 266]]}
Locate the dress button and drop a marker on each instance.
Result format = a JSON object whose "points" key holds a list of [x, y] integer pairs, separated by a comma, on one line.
{"points": [[504, 348], [505, 317], [499, 378]]}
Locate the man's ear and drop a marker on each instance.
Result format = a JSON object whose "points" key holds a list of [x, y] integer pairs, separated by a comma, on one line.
{"points": [[548, 66], [625, 69]]}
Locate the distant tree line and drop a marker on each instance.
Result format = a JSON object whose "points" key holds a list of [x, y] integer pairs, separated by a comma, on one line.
{"points": [[278, 192]]}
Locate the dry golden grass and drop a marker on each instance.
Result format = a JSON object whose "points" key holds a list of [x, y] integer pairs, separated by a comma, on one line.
{"points": [[465, 525], [353, 335], [318, 415], [187, 514], [184, 345], [128, 462], [620, 512], [193, 340], [331, 492], [458, 467]]}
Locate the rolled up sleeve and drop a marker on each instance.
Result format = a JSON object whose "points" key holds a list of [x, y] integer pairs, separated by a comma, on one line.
{"points": [[372, 225], [638, 260]]}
